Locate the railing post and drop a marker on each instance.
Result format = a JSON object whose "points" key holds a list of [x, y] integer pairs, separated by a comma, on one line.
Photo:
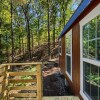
{"points": [[8, 68], [39, 83], [4, 83]]}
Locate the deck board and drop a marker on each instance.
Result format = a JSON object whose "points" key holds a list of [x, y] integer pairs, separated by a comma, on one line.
{"points": [[61, 98]]}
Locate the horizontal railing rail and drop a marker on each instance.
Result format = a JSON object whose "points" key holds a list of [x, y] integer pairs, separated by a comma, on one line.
{"points": [[20, 80]]}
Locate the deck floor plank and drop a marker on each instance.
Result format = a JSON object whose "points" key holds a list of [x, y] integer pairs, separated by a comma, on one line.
{"points": [[61, 98]]}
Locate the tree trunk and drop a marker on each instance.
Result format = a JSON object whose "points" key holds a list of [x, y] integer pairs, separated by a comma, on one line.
{"points": [[54, 31], [19, 44], [48, 30], [28, 38], [32, 42], [22, 46], [7, 51], [12, 34], [38, 32]]}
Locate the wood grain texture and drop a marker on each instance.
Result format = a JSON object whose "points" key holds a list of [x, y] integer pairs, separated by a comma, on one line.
{"points": [[23, 95], [22, 73], [61, 98], [24, 88], [76, 58], [22, 80], [39, 83]]}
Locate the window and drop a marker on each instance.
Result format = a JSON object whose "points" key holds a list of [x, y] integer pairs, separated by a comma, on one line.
{"points": [[91, 80], [91, 39], [60, 48], [90, 55], [69, 54]]}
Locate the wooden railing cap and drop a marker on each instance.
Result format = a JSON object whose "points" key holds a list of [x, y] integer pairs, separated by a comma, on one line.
{"points": [[12, 64]]}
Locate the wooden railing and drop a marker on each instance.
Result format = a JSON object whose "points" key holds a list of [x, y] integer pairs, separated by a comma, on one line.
{"points": [[21, 80]]}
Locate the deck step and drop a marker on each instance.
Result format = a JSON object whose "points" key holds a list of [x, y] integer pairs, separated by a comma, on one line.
{"points": [[61, 98]]}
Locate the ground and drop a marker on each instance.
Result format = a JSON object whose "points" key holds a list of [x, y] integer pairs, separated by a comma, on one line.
{"points": [[54, 81]]}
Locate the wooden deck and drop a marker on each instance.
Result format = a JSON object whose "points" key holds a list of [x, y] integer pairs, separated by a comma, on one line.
{"points": [[52, 98], [61, 98], [13, 84]]}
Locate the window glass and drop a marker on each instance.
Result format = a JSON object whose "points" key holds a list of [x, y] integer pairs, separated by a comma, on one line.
{"points": [[68, 44], [98, 26], [68, 64], [87, 78], [60, 46], [92, 29], [91, 39], [68, 52], [94, 82], [85, 49], [91, 80], [98, 49], [85, 32], [92, 49]]}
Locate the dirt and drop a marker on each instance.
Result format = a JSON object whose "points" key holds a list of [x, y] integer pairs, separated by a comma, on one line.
{"points": [[54, 82], [40, 54]]}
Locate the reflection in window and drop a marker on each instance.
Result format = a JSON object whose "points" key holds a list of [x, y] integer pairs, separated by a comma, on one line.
{"points": [[68, 52], [85, 49], [91, 39], [94, 82], [92, 49], [91, 80], [98, 49], [60, 46], [92, 29], [87, 78], [98, 26], [68, 44], [85, 32], [68, 64]]}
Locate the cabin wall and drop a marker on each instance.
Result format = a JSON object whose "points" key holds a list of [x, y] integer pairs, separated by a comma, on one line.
{"points": [[75, 83], [62, 56]]}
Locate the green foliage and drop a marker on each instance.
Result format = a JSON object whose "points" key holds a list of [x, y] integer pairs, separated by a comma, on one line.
{"points": [[36, 13]]}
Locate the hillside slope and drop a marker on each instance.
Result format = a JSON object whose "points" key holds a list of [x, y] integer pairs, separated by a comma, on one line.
{"points": [[40, 54]]}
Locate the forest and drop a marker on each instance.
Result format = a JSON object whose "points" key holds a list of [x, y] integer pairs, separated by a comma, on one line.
{"points": [[25, 24]]}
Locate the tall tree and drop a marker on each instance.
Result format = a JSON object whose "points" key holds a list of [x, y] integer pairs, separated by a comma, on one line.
{"points": [[48, 3], [12, 33], [25, 8]]}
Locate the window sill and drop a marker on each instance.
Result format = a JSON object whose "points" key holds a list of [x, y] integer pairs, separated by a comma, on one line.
{"points": [[70, 76], [83, 95]]}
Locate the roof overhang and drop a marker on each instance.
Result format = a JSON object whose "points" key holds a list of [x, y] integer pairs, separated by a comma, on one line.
{"points": [[84, 4]]}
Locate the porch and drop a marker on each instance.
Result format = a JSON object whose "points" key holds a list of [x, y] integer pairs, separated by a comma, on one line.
{"points": [[23, 81]]}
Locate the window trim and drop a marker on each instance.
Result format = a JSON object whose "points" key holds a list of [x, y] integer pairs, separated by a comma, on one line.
{"points": [[70, 76], [60, 46], [95, 12]]}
